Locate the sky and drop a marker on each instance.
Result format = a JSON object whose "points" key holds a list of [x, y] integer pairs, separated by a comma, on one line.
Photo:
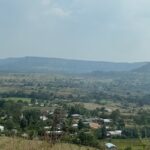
{"points": [[103, 30]]}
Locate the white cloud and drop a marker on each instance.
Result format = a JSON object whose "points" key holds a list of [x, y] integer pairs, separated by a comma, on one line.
{"points": [[46, 2], [57, 11], [54, 8], [60, 12]]}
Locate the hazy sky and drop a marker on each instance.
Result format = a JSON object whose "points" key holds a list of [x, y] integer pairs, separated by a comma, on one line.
{"points": [[110, 30]]}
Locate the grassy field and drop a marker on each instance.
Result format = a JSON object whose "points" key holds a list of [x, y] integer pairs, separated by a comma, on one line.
{"points": [[21, 144], [135, 144], [16, 99]]}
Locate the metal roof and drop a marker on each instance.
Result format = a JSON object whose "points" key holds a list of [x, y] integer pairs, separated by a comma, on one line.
{"points": [[110, 145]]}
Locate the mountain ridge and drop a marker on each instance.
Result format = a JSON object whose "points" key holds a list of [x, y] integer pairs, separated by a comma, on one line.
{"points": [[145, 68], [45, 64]]}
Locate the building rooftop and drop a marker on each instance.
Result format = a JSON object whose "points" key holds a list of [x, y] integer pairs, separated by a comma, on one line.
{"points": [[110, 145]]}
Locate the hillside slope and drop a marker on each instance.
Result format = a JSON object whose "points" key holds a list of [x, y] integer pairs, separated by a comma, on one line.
{"points": [[40, 64], [145, 68], [21, 144]]}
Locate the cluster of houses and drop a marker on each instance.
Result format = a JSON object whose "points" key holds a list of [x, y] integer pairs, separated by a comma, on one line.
{"points": [[96, 123], [93, 123]]}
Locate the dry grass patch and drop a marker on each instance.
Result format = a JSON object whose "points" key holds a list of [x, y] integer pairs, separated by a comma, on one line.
{"points": [[21, 144]]}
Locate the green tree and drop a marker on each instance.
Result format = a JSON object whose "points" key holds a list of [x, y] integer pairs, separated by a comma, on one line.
{"points": [[23, 123], [9, 124], [80, 125]]}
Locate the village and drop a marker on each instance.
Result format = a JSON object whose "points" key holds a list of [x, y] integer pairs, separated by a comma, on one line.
{"points": [[63, 122]]}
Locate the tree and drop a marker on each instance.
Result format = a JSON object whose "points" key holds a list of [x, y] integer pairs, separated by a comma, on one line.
{"points": [[87, 139], [9, 124], [115, 115], [32, 116], [57, 117], [104, 132], [80, 125], [33, 101], [23, 123]]}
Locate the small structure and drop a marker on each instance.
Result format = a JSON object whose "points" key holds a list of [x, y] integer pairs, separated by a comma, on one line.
{"points": [[42, 104], [1, 128], [25, 135], [47, 127], [54, 133], [114, 133], [36, 103], [110, 146], [94, 125], [15, 131], [75, 125], [30, 104], [44, 118], [107, 121], [4, 117], [76, 116]]}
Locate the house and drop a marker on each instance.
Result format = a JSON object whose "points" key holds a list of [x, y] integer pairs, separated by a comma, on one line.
{"points": [[42, 104], [1, 128], [110, 146], [108, 110], [36, 103], [15, 131], [51, 113], [44, 118], [25, 135], [4, 117], [94, 125], [47, 127], [76, 116], [96, 120], [54, 132], [107, 121], [107, 127], [114, 133], [75, 125], [30, 104]]}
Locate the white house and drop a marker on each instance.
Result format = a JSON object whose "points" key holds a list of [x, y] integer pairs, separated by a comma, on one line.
{"points": [[44, 118], [1, 128], [47, 127], [110, 146], [42, 104], [114, 133], [75, 125], [76, 116], [107, 120]]}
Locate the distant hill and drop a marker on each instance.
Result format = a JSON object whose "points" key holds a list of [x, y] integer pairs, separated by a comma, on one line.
{"points": [[145, 68], [42, 64]]}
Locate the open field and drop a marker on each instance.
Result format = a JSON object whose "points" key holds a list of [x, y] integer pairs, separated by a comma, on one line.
{"points": [[16, 99], [21, 144], [135, 144]]}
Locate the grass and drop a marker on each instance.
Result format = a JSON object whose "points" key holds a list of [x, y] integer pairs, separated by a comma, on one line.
{"points": [[16, 99], [136, 144], [7, 143], [22, 144]]}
